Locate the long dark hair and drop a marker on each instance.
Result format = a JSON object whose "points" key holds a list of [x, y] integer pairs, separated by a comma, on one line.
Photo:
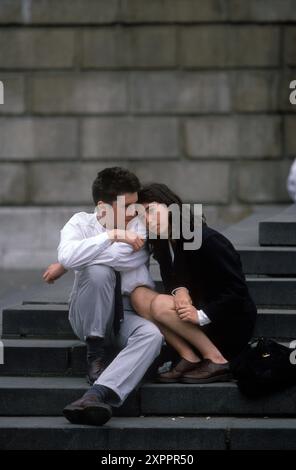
{"points": [[162, 194], [158, 192]]}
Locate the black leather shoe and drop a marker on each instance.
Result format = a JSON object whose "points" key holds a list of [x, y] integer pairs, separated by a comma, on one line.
{"points": [[207, 372], [95, 369], [88, 410], [176, 372]]}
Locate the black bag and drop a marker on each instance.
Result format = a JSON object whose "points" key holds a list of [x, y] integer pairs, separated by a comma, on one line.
{"points": [[264, 367]]}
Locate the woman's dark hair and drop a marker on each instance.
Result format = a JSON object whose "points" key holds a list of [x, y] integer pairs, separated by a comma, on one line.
{"points": [[112, 182], [158, 192], [162, 194]]}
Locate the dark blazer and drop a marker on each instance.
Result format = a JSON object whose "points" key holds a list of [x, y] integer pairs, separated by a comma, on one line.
{"points": [[215, 279]]}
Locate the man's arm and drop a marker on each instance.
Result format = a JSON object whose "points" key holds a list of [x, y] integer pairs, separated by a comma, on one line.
{"points": [[75, 250], [120, 249], [53, 272]]}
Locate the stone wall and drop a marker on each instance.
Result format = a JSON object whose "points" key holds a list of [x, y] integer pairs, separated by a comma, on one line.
{"points": [[194, 93]]}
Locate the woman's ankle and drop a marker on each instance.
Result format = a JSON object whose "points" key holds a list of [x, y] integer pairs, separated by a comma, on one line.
{"points": [[216, 358], [190, 357]]}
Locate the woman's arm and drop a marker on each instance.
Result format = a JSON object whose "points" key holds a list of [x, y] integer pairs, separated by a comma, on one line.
{"points": [[180, 283], [221, 267]]}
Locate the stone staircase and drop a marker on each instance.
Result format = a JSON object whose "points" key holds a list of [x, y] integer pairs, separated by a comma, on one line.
{"points": [[44, 370]]}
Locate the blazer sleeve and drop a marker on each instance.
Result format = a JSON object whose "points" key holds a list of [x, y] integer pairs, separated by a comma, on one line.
{"points": [[222, 267], [180, 267]]}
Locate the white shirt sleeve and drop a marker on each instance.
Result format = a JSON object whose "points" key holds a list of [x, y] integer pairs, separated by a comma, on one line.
{"points": [[76, 251], [291, 184], [202, 318]]}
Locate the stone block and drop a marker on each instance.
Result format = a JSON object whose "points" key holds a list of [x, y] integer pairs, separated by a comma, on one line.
{"points": [[130, 138], [137, 47], [39, 48], [13, 183], [209, 182], [14, 98], [79, 93], [180, 92], [290, 135], [78, 12], [259, 11], [34, 138], [11, 11], [255, 91], [262, 182], [141, 11], [237, 136], [229, 46]]}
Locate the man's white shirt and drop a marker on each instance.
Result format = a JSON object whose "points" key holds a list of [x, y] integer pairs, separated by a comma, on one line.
{"points": [[84, 241]]}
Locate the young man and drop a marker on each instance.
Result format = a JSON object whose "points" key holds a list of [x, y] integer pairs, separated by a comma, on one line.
{"points": [[98, 253]]}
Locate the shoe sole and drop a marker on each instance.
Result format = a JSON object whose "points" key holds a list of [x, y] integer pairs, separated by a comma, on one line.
{"points": [[92, 415], [217, 378]]}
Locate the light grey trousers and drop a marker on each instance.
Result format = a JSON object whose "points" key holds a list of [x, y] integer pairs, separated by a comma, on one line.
{"points": [[91, 313]]}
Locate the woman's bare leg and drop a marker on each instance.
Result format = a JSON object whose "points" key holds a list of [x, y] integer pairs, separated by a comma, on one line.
{"points": [[141, 299], [163, 311]]}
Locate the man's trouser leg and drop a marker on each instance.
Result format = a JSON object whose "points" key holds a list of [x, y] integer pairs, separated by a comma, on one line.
{"points": [[92, 307], [141, 343]]}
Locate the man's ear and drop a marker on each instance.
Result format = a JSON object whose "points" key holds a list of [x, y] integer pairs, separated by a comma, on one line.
{"points": [[101, 210]]}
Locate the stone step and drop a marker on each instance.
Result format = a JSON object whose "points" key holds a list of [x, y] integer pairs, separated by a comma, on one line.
{"points": [[43, 357], [276, 323], [51, 321], [47, 396], [266, 291], [273, 292], [276, 261], [259, 260], [173, 433], [35, 357], [40, 320], [280, 229]]}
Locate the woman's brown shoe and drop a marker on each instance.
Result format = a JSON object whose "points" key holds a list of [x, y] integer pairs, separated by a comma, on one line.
{"points": [[176, 372], [207, 372]]}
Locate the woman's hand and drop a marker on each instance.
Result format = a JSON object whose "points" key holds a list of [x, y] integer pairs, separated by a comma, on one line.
{"points": [[188, 313], [53, 272], [182, 298]]}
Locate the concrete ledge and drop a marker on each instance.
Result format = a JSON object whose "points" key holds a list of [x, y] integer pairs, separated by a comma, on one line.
{"points": [[279, 230]]}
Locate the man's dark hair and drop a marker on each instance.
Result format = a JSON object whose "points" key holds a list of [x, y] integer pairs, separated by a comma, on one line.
{"points": [[113, 182]]}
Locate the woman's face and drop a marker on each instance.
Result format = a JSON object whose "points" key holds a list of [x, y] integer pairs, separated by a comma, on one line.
{"points": [[156, 218]]}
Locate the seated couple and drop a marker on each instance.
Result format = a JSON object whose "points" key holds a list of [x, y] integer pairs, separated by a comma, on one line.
{"points": [[206, 313]]}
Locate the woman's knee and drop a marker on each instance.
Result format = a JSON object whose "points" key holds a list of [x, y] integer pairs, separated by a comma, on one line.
{"points": [[161, 306], [141, 299]]}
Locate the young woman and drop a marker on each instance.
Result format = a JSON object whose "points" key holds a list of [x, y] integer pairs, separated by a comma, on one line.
{"points": [[206, 313]]}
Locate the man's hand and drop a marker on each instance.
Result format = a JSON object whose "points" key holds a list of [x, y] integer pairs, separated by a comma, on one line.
{"points": [[53, 272], [182, 298], [127, 236], [188, 313]]}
